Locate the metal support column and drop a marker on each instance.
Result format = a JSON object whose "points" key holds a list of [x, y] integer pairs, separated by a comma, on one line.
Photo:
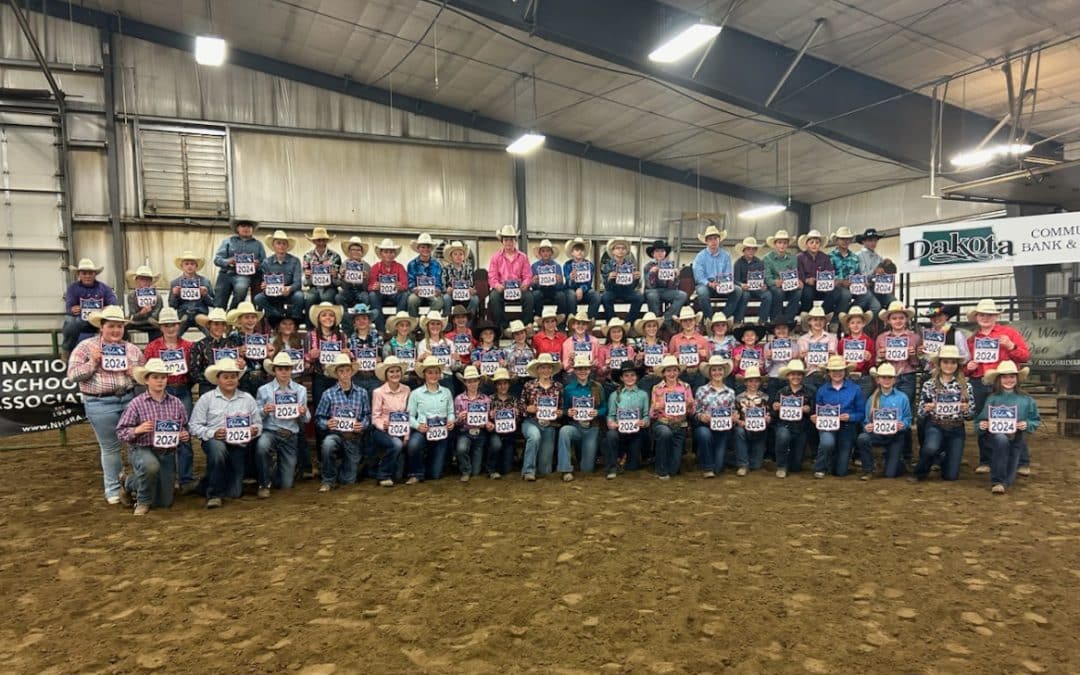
{"points": [[112, 162], [522, 206]]}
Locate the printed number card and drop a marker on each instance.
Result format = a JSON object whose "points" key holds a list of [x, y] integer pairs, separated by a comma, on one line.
{"points": [[884, 284], [755, 419], [896, 349], [425, 287], [512, 290], [114, 357], [226, 353], [547, 408], [654, 354], [297, 358], [459, 291], [826, 281], [933, 341], [688, 356], [245, 264], [387, 284], [781, 349], [755, 280], [665, 270], [88, 306], [725, 283], [546, 275], [857, 285], [789, 280], [398, 425], [947, 404], [174, 361], [354, 272], [145, 297], [436, 428], [1002, 419], [255, 347], [476, 415], [462, 344], [791, 408], [583, 408], [365, 359], [342, 418], [674, 404], [238, 429], [627, 420], [818, 354], [828, 418], [286, 405], [166, 433], [328, 351], [320, 275], [886, 421], [190, 290], [505, 421], [624, 274], [750, 358], [275, 285], [854, 351], [987, 350], [720, 418]]}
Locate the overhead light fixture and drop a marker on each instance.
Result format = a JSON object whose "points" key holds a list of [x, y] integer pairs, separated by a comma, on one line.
{"points": [[526, 143], [210, 51], [984, 156], [763, 211], [685, 42]]}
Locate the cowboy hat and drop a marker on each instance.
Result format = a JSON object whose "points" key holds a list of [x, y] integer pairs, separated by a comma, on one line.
{"points": [[315, 310], [985, 306], [108, 313], [816, 312], [758, 329], [582, 361], [687, 313], [482, 326], [649, 317], [712, 231], [387, 363], [152, 367], [716, 361], [1005, 368], [225, 365], [869, 233], [360, 309], [516, 326], [454, 246], [617, 240], [178, 261], [719, 317], [500, 375], [568, 248], [581, 317], [938, 308], [319, 233], [216, 314], [245, 221], [424, 240], [836, 362], [507, 232], [354, 241], [781, 234], [658, 244], [428, 363], [749, 242], [432, 315], [947, 352], [269, 240], [751, 373], [456, 311], [669, 361], [340, 359], [793, 366], [86, 265], [142, 271], [243, 308], [842, 233], [280, 360], [546, 243], [398, 317], [387, 245], [470, 373], [166, 316], [628, 366], [895, 307], [812, 234], [856, 312], [616, 322], [884, 370], [598, 328], [544, 359]]}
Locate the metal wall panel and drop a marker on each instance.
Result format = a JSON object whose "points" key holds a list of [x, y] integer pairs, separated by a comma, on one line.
{"points": [[89, 189], [890, 208], [61, 41]]}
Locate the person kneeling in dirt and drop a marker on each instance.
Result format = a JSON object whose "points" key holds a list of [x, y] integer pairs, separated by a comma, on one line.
{"points": [[283, 405], [343, 414]]}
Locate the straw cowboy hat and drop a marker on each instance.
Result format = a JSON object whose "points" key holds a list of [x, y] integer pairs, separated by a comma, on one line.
{"points": [[581, 317], [454, 246], [687, 313], [216, 314], [354, 241], [812, 234], [280, 360], [397, 318], [432, 315], [719, 317], [793, 366], [947, 352], [507, 232], [781, 234], [427, 364], [222, 366], [342, 359], [816, 312], [387, 245], [842, 233], [142, 271], [1005, 368], [749, 242], [856, 312], [279, 234], [616, 322], [617, 240], [836, 362], [712, 231], [649, 317], [500, 375], [316, 310], [546, 243], [109, 313], [669, 361], [166, 316], [178, 261], [516, 326], [424, 240], [598, 328], [319, 233], [387, 363], [470, 373], [86, 265], [985, 306], [896, 307], [544, 359], [716, 361], [568, 248], [751, 373], [245, 221], [884, 370], [152, 367], [547, 313], [582, 361], [243, 308]]}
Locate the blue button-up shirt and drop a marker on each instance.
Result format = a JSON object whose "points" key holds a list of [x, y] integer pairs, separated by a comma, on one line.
{"points": [[233, 245], [848, 397], [356, 397], [574, 389], [265, 395], [560, 278], [708, 266], [894, 399], [568, 275], [290, 267], [418, 268]]}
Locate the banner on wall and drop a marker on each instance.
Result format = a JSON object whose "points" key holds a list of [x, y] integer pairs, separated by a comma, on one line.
{"points": [[1055, 345], [36, 395], [978, 244]]}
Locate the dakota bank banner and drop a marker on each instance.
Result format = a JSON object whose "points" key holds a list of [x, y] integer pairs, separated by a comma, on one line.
{"points": [[1004, 242]]}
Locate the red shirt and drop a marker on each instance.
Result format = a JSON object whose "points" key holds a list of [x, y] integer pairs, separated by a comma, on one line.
{"points": [[380, 268], [153, 351], [1019, 354], [542, 344], [465, 359], [870, 357]]}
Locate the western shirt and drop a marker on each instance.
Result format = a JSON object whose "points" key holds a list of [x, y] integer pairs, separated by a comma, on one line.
{"points": [[809, 264], [76, 292], [574, 389], [611, 265], [708, 266], [1026, 408], [355, 397], [848, 397], [424, 404], [894, 399], [265, 394], [234, 245], [775, 264], [628, 398], [418, 268], [154, 349], [516, 267], [911, 363], [844, 265], [213, 407], [560, 278], [289, 266], [384, 401], [95, 380], [929, 393], [744, 266], [1019, 354], [203, 303], [391, 269], [145, 408], [568, 275]]}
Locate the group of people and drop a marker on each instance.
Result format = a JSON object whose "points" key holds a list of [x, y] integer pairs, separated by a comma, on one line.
{"points": [[395, 398]]}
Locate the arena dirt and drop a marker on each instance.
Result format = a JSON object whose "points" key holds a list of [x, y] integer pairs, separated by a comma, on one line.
{"points": [[689, 576]]}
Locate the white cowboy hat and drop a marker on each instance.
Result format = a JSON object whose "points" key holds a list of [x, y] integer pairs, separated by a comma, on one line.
{"points": [[354, 241], [1005, 368], [454, 246], [842, 233], [836, 362], [616, 322], [985, 306], [166, 316], [222, 366], [427, 364], [397, 318], [500, 374], [515, 326], [781, 234], [812, 234], [470, 373], [598, 328], [687, 313], [86, 265], [568, 248], [947, 352], [315, 310], [719, 317], [507, 232], [712, 231], [341, 359], [581, 317], [716, 360], [548, 313], [544, 359], [751, 373], [793, 366], [424, 239], [142, 271], [216, 314], [319, 233], [188, 255], [617, 240], [108, 313], [243, 308], [281, 359], [884, 370], [816, 312], [387, 245], [669, 361], [269, 240], [649, 317], [152, 367], [546, 243], [432, 315], [856, 312], [387, 363], [749, 242], [896, 306]]}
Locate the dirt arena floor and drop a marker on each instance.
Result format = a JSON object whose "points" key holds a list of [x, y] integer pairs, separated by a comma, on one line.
{"points": [[748, 575]]}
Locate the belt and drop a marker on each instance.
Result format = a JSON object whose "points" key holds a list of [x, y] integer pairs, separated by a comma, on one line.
{"points": [[947, 424], [283, 433], [474, 432], [118, 394]]}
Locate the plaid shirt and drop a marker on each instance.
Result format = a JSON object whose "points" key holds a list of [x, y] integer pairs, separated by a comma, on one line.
{"points": [[419, 268], [708, 397], [652, 275], [845, 266], [356, 397], [144, 408], [373, 340], [610, 266], [328, 257], [452, 273], [656, 410], [365, 274], [508, 403], [93, 379], [461, 406], [532, 391]]}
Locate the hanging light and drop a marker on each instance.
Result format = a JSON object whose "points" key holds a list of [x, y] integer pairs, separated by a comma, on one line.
{"points": [[755, 212], [984, 156], [210, 51], [526, 143], [684, 43]]}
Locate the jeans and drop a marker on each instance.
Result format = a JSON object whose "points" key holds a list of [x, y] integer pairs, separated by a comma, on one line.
{"points": [[669, 443], [187, 313], [785, 304], [981, 392], [104, 413], [420, 466], [539, 447], [710, 447], [278, 474], [392, 448], [317, 294], [619, 294], [291, 305], [1005, 456], [936, 439], [185, 456], [224, 469], [706, 294], [874, 301], [749, 448], [413, 303], [893, 445], [398, 302], [790, 446], [586, 438], [589, 298], [905, 384], [832, 301], [470, 452], [764, 310], [673, 297], [631, 443], [551, 296], [497, 307], [74, 328], [834, 449], [153, 474], [351, 295], [500, 453], [231, 284], [339, 459]]}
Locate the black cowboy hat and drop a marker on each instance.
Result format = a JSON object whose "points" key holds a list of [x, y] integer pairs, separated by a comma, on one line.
{"points": [[482, 326], [245, 221], [627, 367], [870, 233], [938, 308], [659, 243], [758, 329], [792, 325]]}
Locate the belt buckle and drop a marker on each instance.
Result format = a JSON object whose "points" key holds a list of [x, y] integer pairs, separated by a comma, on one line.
{"points": [[284, 433], [474, 432]]}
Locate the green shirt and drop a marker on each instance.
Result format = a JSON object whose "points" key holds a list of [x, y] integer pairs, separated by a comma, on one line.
{"points": [[424, 403], [1026, 409], [635, 399], [774, 265]]}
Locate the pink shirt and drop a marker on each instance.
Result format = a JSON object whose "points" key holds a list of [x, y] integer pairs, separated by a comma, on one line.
{"points": [[596, 352], [908, 365], [500, 269], [384, 402], [696, 339], [804, 346]]}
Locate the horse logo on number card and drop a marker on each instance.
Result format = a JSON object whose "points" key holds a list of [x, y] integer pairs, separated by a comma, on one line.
{"points": [[720, 418], [1002, 419], [886, 421], [238, 429], [828, 417], [286, 405], [114, 357], [628, 420], [166, 433]]}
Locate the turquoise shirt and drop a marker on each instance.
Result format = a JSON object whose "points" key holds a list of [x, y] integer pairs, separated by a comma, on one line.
{"points": [[628, 399], [424, 403], [1026, 409]]}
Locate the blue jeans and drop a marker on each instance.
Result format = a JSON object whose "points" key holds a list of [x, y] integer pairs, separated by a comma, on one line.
{"points": [[935, 440], [893, 446], [230, 284], [668, 443], [873, 302], [834, 449], [589, 298], [550, 296], [339, 459], [750, 448], [587, 439], [104, 413], [710, 447], [278, 474], [706, 294], [317, 294], [790, 446], [838, 299], [291, 305], [351, 295], [673, 297], [153, 474], [74, 328], [619, 294], [430, 466], [224, 469], [392, 449], [981, 392], [497, 307], [414, 302], [397, 302], [785, 304], [1005, 456], [764, 310], [500, 453], [470, 452], [539, 447], [185, 456], [617, 442]]}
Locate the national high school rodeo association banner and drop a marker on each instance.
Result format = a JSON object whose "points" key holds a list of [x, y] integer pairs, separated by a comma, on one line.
{"points": [[35, 395]]}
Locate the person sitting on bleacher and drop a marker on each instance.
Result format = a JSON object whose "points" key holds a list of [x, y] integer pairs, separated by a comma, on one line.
{"points": [[143, 301], [321, 268], [509, 276], [238, 259], [662, 282], [713, 274], [621, 280], [355, 274], [782, 278], [279, 293], [579, 273], [85, 296], [425, 277], [750, 277], [190, 294], [548, 282], [458, 283], [389, 282]]}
